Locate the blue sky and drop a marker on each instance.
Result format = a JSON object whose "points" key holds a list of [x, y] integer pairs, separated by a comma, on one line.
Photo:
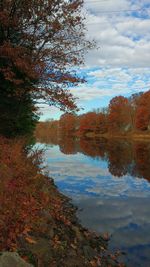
{"points": [[121, 65]]}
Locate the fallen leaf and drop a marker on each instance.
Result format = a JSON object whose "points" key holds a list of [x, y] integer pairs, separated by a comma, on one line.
{"points": [[30, 240]]}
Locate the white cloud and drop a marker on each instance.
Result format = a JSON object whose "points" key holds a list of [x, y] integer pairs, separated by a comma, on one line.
{"points": [[95, 91], [134, 27], [124, 39], [111, 5], [115, 74], [111, 82]]}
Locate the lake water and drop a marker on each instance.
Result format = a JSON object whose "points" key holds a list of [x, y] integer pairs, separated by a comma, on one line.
{"points": [[109, 181]]}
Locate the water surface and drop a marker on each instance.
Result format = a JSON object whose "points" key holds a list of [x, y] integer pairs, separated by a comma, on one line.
{"points": [[109, 182]]}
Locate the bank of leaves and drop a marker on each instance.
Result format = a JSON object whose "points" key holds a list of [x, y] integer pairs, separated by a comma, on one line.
{"points": [[37, 221]]}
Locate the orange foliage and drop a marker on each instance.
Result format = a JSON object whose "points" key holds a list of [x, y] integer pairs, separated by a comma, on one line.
{"points": [[119, 114], [24, 195], [67, 124], [143, 112], [88, 123], [122, 117], [39, 41]]}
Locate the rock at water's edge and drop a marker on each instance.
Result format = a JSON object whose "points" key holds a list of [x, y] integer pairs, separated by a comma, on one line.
{"points": [[12, 259]]}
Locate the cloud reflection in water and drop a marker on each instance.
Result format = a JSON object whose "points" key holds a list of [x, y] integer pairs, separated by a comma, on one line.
{"points": [[118, 205]]}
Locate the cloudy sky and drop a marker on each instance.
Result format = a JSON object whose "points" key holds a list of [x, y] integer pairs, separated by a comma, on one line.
{"points": [[121, 64]]}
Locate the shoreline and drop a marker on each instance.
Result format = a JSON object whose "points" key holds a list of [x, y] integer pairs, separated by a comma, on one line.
{"points": [[44, 229], [130, 137], [61, 241]]}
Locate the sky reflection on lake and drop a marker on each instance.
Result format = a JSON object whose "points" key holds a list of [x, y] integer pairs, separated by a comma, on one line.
{"points": [[107, 203]]}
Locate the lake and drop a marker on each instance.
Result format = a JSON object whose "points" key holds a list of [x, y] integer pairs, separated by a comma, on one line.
{"points": [[109, 182]]}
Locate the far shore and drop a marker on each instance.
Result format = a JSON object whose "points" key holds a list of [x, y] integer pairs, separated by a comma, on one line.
{"points": [[129, 136]]}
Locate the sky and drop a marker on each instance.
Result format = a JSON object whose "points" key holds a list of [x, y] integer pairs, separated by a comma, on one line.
{"points": [[120, 65]]}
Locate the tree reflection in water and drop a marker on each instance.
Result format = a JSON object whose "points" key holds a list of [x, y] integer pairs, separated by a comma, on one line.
{"points": [[123, 156], [68, 145]]}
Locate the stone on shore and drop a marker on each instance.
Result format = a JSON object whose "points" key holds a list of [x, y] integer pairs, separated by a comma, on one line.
{"points": [[12, 259]]}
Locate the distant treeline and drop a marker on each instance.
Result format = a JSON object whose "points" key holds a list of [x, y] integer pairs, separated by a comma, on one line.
{"points": [[123, 116]]}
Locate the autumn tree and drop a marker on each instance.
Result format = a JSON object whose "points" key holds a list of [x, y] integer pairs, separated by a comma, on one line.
{"points": [[119, 116], [67, 124], [101, 123], [133, 104], [88, 123], [143, 112], [40, 42]]}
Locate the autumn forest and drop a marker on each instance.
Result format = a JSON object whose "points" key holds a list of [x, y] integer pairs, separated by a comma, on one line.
{"points": [[123, 117]]}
